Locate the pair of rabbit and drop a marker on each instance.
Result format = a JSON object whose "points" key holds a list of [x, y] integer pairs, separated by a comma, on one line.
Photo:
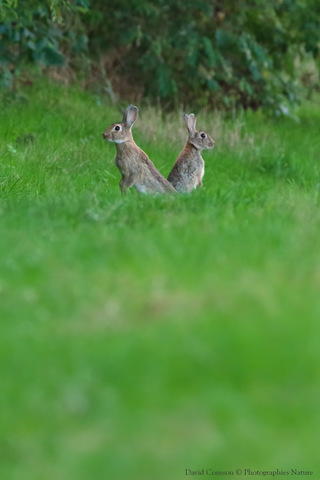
{"points": [[137, 169]]}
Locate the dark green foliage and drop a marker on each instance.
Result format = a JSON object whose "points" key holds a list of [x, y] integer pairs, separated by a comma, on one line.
{"points": [[222, 53], [32, 31], [229, 54]]}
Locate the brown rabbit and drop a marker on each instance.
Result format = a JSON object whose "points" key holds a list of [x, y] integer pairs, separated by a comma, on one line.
{"points": [[134, 164], [188, 169]]}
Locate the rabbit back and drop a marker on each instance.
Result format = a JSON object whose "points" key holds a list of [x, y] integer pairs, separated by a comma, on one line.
{"points": [[188, 171], [133, 163]]}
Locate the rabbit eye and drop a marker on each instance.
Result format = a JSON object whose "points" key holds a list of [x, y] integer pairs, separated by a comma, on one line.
{"points": [[203, 135], [117, 128]]}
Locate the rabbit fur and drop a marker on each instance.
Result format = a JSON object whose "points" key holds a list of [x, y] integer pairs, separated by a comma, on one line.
{"points": [[188, 170], [134, 164]]}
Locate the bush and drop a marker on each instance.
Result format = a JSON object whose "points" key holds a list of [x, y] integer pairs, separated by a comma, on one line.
{"points": [[36, 32], [222, 54]]}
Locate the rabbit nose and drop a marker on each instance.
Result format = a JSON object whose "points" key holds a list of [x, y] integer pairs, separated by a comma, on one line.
{"points": [[104, 135]]}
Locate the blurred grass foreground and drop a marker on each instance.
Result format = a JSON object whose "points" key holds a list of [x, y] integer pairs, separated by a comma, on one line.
{"points": [[143, 336]]}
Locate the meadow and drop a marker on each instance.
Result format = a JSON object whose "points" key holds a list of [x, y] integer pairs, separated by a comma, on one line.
{"points": [[142, 336]]}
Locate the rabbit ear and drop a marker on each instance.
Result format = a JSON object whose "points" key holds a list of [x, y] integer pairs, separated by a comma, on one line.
{"points": [[190, 121], [130, 115]]}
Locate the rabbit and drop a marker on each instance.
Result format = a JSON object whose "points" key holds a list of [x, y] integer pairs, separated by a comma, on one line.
{"points": [[134, 164], [188, 170]]}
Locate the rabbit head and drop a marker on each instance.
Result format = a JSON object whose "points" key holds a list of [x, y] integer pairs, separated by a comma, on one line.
{"points": [[200, 140], [121, 132]]}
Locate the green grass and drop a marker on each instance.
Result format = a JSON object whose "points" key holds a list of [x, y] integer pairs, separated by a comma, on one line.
{"points": [[141, 336]]}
